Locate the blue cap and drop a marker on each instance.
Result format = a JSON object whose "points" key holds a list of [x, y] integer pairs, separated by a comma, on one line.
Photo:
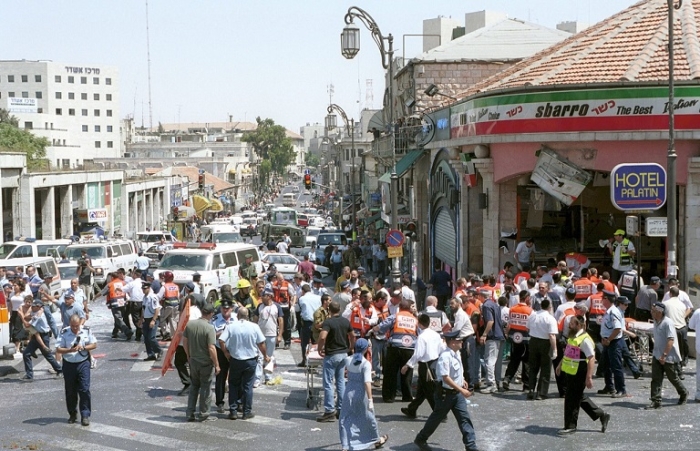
{"points": [[609, 294], [156, 286], [189, 286], [268, 292], [452, 335]]}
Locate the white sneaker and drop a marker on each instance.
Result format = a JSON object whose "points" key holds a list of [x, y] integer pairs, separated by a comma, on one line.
{"points": [[488, 390], [256, 384]]}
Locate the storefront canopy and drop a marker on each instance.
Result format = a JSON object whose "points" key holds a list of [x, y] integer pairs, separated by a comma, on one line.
{"points": [[403, 165], [200, 203]]}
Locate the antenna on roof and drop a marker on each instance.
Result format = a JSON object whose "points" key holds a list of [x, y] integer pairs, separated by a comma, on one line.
{"points": [[148, 53]]}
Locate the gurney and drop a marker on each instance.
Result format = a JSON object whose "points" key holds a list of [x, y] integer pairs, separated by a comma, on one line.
{"points": [[641, 346], [314, 361]]}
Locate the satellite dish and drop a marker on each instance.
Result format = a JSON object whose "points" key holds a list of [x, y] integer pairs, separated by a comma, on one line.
{"points": [[425, 132], [376, 121]]}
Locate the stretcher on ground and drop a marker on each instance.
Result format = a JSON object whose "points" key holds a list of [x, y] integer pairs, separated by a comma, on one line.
{"points": [[641, 347]]}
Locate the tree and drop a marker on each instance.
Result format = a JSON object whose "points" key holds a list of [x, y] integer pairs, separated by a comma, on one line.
{"points": [[14, 139], [7, 118], [312, 160], [273, 147]]}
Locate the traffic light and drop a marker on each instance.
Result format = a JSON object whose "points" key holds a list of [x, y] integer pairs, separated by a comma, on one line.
{"points": [[176, 211], [201, 181], [307, 181]]}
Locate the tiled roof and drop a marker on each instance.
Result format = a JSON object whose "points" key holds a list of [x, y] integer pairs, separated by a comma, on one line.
{"points": [[508, 39], [630, 46], [192, 173]]}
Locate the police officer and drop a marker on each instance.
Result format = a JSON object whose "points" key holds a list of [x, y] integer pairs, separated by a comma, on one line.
{"points": [[612, 341], [450, 396], [220, 322], [75, 345], [149, 321], [37, 320]]}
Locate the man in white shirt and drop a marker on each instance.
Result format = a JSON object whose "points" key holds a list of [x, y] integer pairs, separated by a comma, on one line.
{"points": [[682, 295], [570, 296], [142, 264], [134, 305], [429, 346], [525, 253], [470, 357], [406, 290], [282, 247], [542, 328], [678, 311]]}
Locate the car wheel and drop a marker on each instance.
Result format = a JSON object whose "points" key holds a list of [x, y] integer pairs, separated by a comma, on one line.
{"points": [[212, 297]]}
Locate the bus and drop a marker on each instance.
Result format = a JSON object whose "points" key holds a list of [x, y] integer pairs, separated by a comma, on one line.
{"points": [[283, 216], [289, 199]]}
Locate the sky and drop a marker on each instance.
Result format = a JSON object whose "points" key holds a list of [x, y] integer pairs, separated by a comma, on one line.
{"points": [[211, 59]]}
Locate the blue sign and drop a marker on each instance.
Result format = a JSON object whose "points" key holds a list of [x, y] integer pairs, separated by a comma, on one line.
{"points": [[638, 186], [394, 238], [307, 172]]}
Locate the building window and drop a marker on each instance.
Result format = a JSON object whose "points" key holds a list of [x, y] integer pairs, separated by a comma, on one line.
{"points": [[25, 94], [10, 78], [59, 111], [28, 125], [96, 96], [71, 96], [95, 80], [59, 95], [83, 80], [83, 96], [65, 163], [25, 79], [57, 78], [97, 128], [85, 128], [109, 97], [98, 144], [11, 94], [109, 129], [37, 78], [71, 79], [108, 81], [97, 113], [40, 110], [84, 112], [109, 113], [71, 111], [110, 144], [38, 95]]}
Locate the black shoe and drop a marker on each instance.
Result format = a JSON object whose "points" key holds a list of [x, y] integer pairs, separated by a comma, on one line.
{"points": [[85, 421], [327, 417], [220, 409], [637, 375], [653, 405], [606, 391], [115, 336], [567, 431], [26, 378], [129, 336], [286, 346], [191, 419], [72, 418], [150, 358], [604, 422], [232, 416], [301, 364], [34, 355], [248, 416], [506, 385], [422, 445], [388, 400], [408, 412], [683, 399], [531, 396], [185, 390]]}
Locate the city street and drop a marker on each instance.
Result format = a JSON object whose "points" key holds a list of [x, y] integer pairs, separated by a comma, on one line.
{"points": [[134, 408]]}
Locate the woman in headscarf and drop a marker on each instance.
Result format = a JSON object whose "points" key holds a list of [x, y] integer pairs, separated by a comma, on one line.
{"points": [[358, 426]]}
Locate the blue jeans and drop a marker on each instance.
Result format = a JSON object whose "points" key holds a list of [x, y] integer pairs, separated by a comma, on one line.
{"points": [[51, 322], [333, 367], [614, 370], [450, 401], [240, 384], [270, 343], [378, 352], [31, 348], [149, 337]]}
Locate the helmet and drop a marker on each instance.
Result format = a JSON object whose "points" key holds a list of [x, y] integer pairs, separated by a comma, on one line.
{"points": [[243, 283], [168, 276]]}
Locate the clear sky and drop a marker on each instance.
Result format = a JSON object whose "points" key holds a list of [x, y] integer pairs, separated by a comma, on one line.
{"points": [[245, 58]]}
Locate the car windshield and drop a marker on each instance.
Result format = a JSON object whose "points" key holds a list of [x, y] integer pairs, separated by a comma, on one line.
{"points": [[189, 262], [312, 232], [73, 253], [281, 260], [324, 240], [6, 249], [230, 237], [68, 272], [149, 237]]}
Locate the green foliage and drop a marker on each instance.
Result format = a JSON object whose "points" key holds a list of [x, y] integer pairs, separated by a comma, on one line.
{"points": [[312, 160], [273, 147], [13, 139], [7, 118]]}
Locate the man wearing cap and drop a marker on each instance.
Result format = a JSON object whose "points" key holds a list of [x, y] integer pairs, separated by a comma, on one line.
{"points": [[343, 297], [150, 304], [37, 320], [612, 341], [198, 342], [271, 321], [220, 322], [623, 251], [317, 287], [666, 358], [452, 390], [247, 270], [647, 297]]}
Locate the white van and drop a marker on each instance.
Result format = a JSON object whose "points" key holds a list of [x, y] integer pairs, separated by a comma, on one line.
{"points": [[43, 265], [31, 248], [144, 240], [106, 256], [217, 264], [221, 233]]}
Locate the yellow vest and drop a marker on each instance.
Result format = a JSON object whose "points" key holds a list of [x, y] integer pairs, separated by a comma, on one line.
{"points": [[572, 354]]}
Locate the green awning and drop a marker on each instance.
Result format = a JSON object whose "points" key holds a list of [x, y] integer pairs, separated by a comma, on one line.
{"points": [[373, 218], [403, 165]]}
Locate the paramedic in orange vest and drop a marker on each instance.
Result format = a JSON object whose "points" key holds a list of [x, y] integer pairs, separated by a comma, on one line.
{"points": [[584, 286], [116, 300], [285, 297], [596, 310], [403, 332], [517, 333], [170, 313], [577, 367], [362, 315]]}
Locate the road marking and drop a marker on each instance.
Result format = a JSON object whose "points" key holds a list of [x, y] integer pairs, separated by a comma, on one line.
{"points": [[284, 424], [67, 443], [284, 357], [148, 437], [179, 423], [141, 365]]}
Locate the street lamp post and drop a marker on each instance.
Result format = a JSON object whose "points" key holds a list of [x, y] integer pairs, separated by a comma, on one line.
{"points": [[350, 46], [350, 126], [671, 268]]}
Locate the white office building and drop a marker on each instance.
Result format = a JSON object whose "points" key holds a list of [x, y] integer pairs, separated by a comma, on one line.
{"points": [[76, 107]]}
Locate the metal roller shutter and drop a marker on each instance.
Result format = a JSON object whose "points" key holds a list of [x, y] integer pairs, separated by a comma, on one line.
{"points": [[445, 238]]}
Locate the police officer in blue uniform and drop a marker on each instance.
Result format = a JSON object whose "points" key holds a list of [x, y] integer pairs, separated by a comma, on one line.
{"points": [[75, 345], [450, 394], [37, 319], [220, 322]]}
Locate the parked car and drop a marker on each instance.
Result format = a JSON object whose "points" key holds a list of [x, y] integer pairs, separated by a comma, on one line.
{"points": [[250, 227], [67, 272], [287, 264], [312, 234]]}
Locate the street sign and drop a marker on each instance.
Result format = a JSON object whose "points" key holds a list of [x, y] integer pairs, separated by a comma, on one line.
{"points": [[656, 226], [638, 186], [394, 251], [394, 238], [306, 171]]}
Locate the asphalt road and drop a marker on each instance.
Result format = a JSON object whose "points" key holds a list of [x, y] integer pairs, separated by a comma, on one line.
{"points": [[136, 409]]}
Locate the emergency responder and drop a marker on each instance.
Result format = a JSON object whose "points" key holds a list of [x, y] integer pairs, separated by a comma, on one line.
{"points": [[116, 301], [149, 321], [248, 270], [242, 298], [628, 285], [516, 330], [284, 296], [438, 318], [220, 322], [169, 315], [361, 314], [623, 252]]}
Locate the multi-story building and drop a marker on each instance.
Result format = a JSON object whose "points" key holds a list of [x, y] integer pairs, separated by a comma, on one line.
{"points": [[76, 107]]}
